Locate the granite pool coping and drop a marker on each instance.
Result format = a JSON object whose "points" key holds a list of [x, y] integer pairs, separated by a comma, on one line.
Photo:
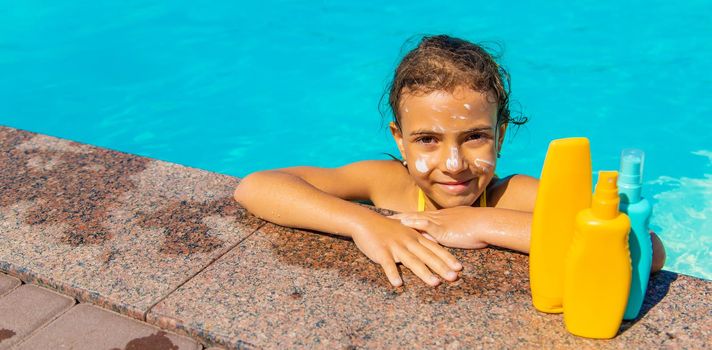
{"points": [[165, 243]]}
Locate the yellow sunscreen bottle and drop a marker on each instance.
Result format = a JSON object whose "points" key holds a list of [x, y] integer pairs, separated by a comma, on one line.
{"points": [[598, 266], [564, 190]]}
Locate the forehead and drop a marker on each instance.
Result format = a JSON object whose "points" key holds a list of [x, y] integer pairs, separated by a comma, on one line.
{"points": [[462, 108]]}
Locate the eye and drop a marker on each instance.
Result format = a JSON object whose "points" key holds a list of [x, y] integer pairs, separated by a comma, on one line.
{"points": [[425, 140], [477, 137]]}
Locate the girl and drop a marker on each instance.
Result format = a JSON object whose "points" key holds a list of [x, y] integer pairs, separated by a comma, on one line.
{"points": [[450, 102]]}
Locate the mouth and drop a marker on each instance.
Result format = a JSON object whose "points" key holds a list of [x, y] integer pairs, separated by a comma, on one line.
{"points": [[454, 187]]}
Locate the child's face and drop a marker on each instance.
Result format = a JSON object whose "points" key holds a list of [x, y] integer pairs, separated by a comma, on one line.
{"points": [[450, 142]]}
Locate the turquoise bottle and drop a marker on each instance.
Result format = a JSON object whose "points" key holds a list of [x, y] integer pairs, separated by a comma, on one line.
{"points": [[638, 210]]}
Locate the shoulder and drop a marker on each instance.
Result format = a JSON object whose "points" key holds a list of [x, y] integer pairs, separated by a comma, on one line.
{"points": [[389, 184], [383, 174], [516, 192]]}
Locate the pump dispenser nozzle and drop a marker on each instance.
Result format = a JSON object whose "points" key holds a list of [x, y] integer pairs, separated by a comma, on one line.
{"points": [[605, 199], [631, 175]]}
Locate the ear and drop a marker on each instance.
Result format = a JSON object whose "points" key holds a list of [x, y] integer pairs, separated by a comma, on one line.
{"points": [[500, 136], [398, 137]]}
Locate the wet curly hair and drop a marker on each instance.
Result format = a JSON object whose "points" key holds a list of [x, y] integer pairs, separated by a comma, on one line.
{"points": [[442, 62]]}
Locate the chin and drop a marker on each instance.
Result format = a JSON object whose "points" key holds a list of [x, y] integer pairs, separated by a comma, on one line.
{"points": [[456, 201]]}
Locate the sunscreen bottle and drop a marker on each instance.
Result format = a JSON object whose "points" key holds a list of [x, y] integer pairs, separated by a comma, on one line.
{"points": [[598, 270], [564, 190], [638, 210]]}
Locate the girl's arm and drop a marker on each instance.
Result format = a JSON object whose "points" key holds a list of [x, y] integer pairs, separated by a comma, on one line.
{"points": [[505, 228], [512, 229], [472, 227], [289, 200], [318, 199], [507, 225]]}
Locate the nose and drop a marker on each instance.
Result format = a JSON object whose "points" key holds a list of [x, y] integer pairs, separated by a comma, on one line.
{"points": [[453, 163]]}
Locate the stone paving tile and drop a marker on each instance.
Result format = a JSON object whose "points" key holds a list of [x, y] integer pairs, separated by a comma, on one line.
{"points": [[109, 228], [89, 327], [289, 288], [26, 309], [8, 283]]}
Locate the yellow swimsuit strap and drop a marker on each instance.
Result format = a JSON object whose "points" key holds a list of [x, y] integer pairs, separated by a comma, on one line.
{"points": [[421, 199]]}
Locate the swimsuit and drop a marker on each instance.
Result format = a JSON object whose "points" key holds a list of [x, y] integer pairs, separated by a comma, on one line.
{"points": [[421, 199]]}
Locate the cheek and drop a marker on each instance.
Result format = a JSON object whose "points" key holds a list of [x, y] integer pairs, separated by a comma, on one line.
{"points": [[424, 165], [421, 166], [484, 164]]}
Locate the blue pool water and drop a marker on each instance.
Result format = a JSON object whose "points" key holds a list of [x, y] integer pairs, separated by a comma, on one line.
{"points": [[237, 87]]}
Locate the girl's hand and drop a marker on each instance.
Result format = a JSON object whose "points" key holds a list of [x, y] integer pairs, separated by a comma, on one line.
{"points": [[453, 227], [389, 242]]}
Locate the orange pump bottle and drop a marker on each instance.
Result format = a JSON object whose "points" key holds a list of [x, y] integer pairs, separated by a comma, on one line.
{"points": [[564, 190], [598, 266]]}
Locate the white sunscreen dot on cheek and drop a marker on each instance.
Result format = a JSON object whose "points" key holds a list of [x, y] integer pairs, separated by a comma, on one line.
{"points": [[453, 163], [467, 106], [421, 166]]}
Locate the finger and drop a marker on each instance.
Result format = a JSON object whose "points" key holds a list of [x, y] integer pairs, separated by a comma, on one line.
{"points": [[442, 253], [418, 224], [429, 237], [419, 269], [404, 216], [389, 267], [433, 261]]}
